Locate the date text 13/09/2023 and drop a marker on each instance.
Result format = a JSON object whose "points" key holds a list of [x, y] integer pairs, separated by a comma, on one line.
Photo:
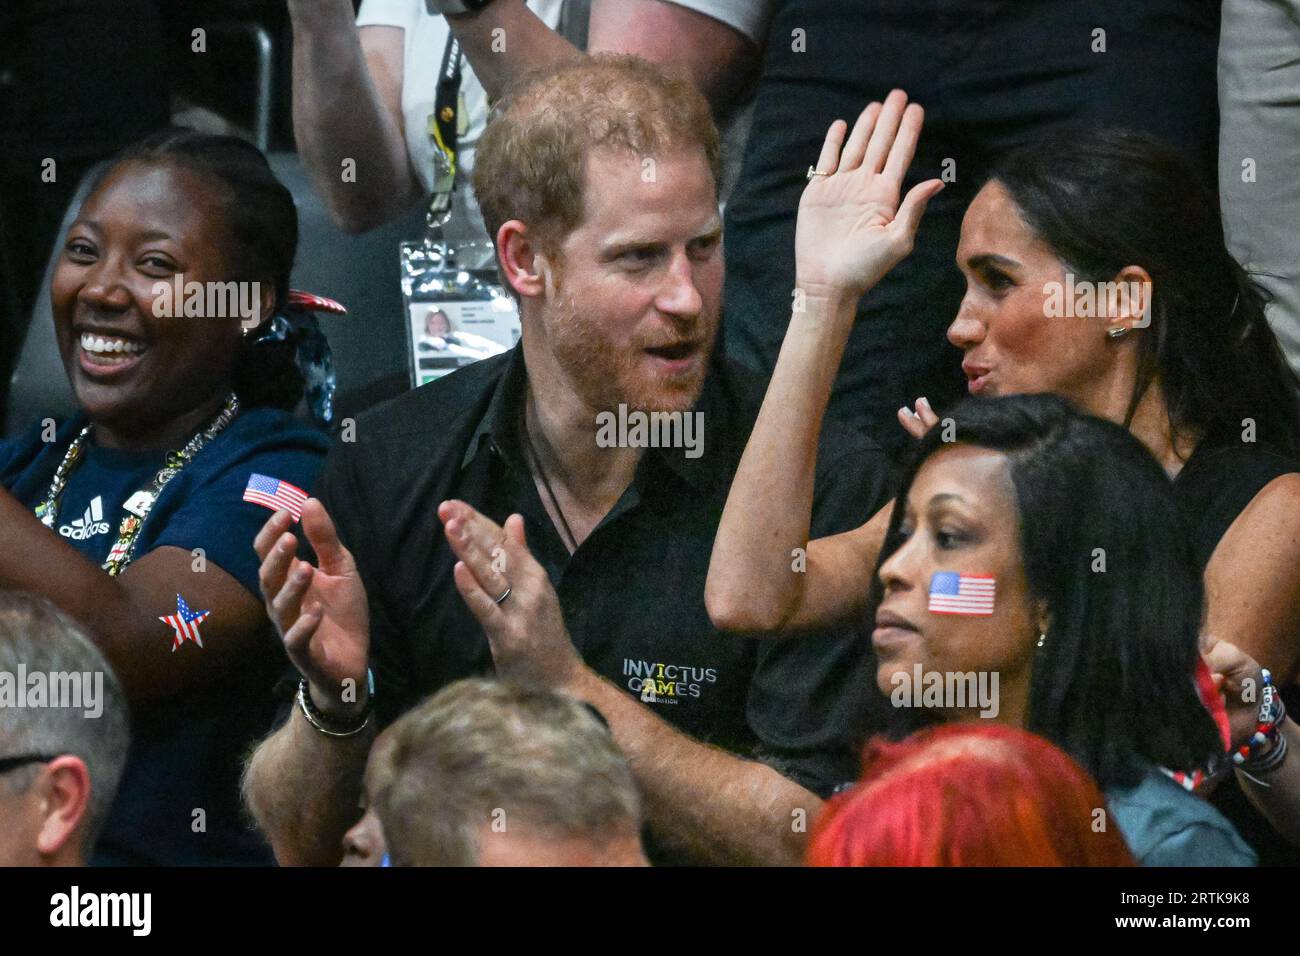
{"points": [[1194, 898]]}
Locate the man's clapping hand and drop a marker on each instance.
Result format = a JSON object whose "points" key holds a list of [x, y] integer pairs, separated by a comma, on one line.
{"points": [[526, 630], [320, 612]]}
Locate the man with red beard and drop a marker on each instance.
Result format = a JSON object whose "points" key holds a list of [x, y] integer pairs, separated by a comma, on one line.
{"points": [[598, 180]]}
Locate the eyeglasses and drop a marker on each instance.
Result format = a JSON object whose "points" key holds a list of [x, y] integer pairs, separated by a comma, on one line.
{"points": [[22, 760]]}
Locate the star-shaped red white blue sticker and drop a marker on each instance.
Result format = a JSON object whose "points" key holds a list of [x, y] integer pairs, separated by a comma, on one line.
{"points": [[185, 623]]}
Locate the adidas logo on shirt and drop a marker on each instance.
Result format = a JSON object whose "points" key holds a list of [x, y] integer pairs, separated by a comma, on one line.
{"points": [[89, 524]]}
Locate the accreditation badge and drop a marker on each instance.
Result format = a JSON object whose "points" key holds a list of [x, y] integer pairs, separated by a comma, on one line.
{"points": [[456, 310]]}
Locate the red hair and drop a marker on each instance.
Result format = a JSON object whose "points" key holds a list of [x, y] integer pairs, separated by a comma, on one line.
{"points": [[968, 794]]}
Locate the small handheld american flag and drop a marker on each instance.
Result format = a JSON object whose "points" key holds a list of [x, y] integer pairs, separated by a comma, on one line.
{"points": [[953, 593], [275, 494]]}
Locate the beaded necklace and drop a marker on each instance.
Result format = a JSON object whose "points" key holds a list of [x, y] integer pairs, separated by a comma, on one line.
{"points": [[140, 503]]}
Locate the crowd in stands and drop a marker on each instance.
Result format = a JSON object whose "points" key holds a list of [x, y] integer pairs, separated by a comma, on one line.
{"points": [[952, 515]]}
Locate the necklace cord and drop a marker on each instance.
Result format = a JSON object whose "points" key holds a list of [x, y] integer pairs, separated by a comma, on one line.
{"points": [[536, 462], [139, 504]]}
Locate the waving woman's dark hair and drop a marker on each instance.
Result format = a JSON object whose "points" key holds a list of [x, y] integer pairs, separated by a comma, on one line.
{"points": [[1103, 548], [263, 224], [1104, 199]]}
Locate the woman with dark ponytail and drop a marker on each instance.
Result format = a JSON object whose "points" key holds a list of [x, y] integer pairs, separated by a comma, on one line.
{"points": [[1115, 205], [1208, 389], [1096, 270], [184, 347]]}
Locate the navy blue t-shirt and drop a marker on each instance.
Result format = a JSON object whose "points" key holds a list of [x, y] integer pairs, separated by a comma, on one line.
{"points": [[186, 750]]}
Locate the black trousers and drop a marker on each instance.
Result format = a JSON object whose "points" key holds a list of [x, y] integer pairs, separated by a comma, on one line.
{"points": [[991, 74]]}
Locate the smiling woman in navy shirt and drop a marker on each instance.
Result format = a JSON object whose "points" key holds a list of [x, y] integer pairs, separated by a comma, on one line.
{"points": [[133, 515]]}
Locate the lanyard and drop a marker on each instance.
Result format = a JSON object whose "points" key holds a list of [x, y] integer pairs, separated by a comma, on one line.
{"points": [[444, 132]]}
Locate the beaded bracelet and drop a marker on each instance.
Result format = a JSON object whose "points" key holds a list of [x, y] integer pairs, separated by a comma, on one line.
{"points": [[1270, 761], [1266, 748]]}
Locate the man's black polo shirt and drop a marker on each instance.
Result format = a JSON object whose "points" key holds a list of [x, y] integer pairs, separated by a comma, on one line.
{"points": [[632, 594]]}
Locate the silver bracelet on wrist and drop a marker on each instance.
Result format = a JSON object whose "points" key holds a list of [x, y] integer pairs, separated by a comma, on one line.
{"points": [[321, 722]]}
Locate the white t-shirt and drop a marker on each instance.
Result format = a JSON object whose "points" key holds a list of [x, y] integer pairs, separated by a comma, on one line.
{"points": [[750, 17], [425, 43]]}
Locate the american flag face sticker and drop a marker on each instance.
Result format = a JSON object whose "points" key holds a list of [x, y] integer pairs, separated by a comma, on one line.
{"points": [[953, 593]]}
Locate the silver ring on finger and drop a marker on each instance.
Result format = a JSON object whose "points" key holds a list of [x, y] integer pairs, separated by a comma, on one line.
{"points": [[504, 594]]}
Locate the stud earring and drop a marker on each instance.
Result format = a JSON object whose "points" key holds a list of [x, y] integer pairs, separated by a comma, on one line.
{"points": [[1042, 639]]}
